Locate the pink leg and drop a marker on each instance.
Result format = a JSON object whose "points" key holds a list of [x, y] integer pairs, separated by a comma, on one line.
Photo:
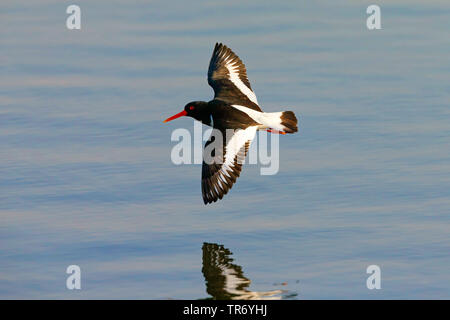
{"points": [[276, 131]]}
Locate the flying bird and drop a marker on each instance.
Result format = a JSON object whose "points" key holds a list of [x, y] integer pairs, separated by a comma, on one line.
{"points": [[234, 107]]}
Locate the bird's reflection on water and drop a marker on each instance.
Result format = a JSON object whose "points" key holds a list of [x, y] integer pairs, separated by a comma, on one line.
{"points": [[225, 280]]}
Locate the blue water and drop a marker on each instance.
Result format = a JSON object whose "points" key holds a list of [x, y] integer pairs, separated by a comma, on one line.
{"points": [[85, 170]]}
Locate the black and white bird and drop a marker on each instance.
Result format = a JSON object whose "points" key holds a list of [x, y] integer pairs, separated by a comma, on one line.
{"points": [[234, 107]]}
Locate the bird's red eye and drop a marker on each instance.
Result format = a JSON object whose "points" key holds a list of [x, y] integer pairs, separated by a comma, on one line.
{"points": [[191, 108]]}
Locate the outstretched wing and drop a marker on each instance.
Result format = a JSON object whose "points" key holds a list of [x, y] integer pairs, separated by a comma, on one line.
{"points": [[224, 163], [228, 77]]}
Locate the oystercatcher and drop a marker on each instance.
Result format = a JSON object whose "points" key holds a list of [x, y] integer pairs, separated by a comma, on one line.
{"points": [[234, 107]]}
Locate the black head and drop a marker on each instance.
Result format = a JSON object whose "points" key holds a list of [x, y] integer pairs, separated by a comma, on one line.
{"points": [[195, 109]]}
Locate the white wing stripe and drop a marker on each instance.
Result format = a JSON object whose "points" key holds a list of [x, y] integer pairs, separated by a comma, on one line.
{"points": [[236, 142], [225, 172], [222, 178], [233, 69]]}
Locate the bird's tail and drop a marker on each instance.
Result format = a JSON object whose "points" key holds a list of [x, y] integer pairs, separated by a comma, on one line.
{"points": [[284, 121]]}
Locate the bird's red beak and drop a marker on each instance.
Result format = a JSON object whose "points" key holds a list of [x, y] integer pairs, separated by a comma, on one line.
{"points": [[182, 113]]}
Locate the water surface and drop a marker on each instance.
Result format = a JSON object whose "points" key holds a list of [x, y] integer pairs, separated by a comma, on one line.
{"points": [[86, 176]]}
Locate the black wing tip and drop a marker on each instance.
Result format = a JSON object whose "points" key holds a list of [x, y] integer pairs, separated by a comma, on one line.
{"points": [[206, 201], [210, 198], [208, 186], [221, 48], [219, 44], [217, 47]]}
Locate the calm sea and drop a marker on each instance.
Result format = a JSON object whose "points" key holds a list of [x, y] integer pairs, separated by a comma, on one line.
{"points": [[86, 177]]}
